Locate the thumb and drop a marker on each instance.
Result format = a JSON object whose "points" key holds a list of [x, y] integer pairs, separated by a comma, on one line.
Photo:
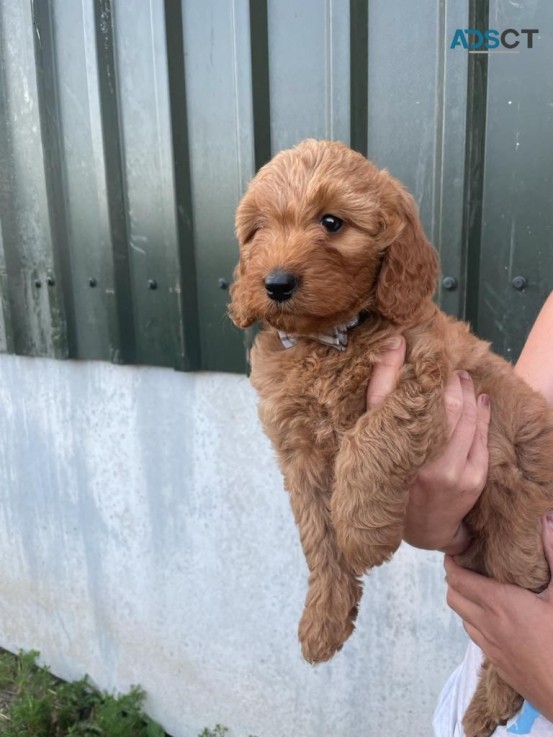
{"points": [[385, 372]]}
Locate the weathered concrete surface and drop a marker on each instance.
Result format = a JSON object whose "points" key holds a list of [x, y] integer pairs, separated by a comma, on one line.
{"points": [[145, 538]]}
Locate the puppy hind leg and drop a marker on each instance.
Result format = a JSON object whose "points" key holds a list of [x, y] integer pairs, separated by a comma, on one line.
{"points": [[493, 703]]}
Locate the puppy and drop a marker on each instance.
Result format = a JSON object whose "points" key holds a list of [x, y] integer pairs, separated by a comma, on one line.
{"points": [[334, 263]]}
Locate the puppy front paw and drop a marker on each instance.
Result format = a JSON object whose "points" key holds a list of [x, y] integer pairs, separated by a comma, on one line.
{"points": [[329, 615], [321, 636]]}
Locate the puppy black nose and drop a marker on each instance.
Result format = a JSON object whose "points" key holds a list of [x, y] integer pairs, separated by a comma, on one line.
{"points": [[280, 285]]}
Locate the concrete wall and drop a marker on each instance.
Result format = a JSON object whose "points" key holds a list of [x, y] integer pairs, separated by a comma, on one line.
{"points": [[145, 538]]}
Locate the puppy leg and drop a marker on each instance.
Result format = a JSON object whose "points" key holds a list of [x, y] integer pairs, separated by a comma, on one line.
{"points": [[334, 590], [493, 703], [377, 461]]}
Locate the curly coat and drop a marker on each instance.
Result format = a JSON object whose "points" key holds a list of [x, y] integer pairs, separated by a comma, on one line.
{"points": [[348, 471]]}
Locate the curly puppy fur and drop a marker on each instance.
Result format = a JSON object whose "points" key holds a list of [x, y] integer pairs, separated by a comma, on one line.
{"points": [[348, 471]]}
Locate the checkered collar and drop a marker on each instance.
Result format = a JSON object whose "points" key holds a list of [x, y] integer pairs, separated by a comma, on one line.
{"points": [[335, 338]]}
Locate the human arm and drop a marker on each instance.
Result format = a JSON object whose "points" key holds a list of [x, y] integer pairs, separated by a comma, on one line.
{"points": [[514, 627], [535, 364]]}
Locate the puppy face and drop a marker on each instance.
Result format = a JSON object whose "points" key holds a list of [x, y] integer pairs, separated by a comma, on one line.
{"points": [[316, 229]]}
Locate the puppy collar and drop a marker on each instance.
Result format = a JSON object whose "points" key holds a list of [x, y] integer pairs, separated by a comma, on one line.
{"points": [[335, 338]]}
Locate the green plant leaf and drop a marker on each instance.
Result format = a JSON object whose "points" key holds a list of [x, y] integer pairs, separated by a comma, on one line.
{"points": [[153, 729]]}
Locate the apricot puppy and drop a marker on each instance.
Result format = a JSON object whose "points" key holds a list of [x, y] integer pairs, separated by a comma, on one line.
{"points": [[334, 263]]}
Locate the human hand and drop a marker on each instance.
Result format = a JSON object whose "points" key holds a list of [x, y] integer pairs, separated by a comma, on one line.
{"points": [[512, 626], [446, 489]]}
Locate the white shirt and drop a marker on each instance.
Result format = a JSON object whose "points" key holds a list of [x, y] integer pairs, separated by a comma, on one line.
{"points": [[457, 694]]}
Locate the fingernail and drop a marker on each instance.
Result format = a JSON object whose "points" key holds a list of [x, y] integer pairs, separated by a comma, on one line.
{"points": [[484, 400], [464, 375], [549, 518], [394, 342]]}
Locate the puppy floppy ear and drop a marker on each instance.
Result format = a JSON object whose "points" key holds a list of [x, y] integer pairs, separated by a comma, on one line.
{"points": [[239, 309], [410, 263], [246, 220]]}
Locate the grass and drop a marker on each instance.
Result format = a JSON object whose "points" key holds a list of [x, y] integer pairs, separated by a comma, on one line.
{"points": [[34, 703]]}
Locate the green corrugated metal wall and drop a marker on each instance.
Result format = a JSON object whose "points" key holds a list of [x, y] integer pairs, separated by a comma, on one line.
{"points": [[130, 128]]}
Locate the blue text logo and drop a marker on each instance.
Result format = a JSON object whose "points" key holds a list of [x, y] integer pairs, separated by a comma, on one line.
{"points": [[493, 41]]}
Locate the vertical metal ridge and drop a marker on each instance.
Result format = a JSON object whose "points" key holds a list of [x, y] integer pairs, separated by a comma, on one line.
{"points": [[477, 92], [10, 257], [191, 360], [61, 293], [115, 180], [359, 75], [329, 98], [261, 99], [6, 329]]}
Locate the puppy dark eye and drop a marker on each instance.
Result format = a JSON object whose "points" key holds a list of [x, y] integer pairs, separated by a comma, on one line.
{"points": [[332, 223], [250, 235]]}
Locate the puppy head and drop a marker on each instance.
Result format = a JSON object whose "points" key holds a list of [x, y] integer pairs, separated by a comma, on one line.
{"points": [[324, 234]]}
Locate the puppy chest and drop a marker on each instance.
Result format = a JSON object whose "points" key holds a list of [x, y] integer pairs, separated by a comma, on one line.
{"points": [[320, 405], [336, 401]]}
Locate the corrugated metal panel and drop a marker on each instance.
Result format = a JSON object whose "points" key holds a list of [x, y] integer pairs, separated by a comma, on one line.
{"points": [[219, 102], [517, 226], [417, 116], [129, 130], [36, 312]]}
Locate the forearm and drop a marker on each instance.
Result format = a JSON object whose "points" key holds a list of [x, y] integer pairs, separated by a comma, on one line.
{"points": [[535, 364]]}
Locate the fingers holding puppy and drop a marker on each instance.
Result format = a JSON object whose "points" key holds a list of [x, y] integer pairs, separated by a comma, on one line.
{"points": [[446, 489], [464, 463]]}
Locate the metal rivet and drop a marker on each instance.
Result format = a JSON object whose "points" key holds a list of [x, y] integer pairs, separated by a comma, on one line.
{"points": [[223, 283], [92, 282], [50, 281], [38, 283], [449, 283], [520, 283], [152, 284]]}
